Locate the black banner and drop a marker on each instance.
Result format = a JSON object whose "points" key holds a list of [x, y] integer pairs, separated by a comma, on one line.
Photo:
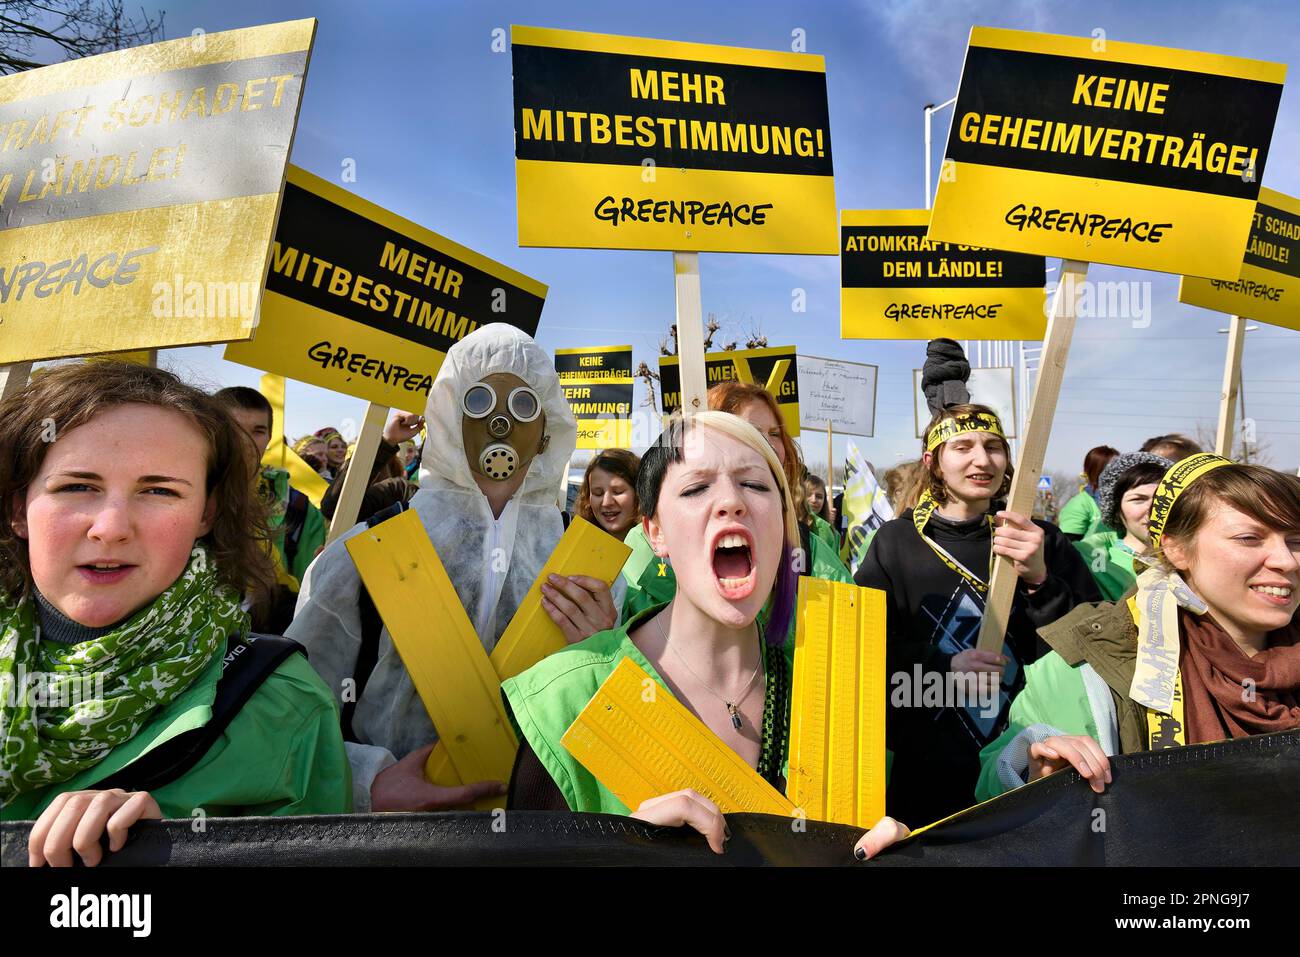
{"points": [[610, 400], [1275, 240], [1004, 87], [342, 262], [721, 370], [580, 106], [882, 257], [614, 364]]}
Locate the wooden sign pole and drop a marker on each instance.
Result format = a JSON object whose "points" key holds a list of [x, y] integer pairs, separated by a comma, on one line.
{"points": [[830, 458], [1033, 445], [690, 333], [1231, 387], [358, 477], [13, 377]]}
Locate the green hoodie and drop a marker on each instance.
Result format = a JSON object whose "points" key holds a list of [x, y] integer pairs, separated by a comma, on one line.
{"points": [[282, 754]]}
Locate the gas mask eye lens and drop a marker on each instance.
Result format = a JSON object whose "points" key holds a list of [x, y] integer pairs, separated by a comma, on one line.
{"points": [[479, 400], [524, 405]]}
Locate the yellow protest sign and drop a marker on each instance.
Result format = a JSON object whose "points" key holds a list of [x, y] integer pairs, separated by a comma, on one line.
{"points": [[364, 302], [597, 381], [837, 704], [139, 191], [1108, 152], [896, 284], [773, 368], [1268, 289], [279, 454], [630, 143]]}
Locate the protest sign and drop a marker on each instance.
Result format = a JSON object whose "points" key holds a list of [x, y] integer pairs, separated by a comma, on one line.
{"points": [[594, 363], [841, 394], [631, 143], [139, 191], [773, 368], [1268, 288], [865, 507], [1100, 151], [364, 302], [896, 284], [994, 387], [603, 410]]}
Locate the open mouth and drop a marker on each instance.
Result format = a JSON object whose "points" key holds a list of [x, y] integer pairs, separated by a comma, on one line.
{"points": [[980, 478], [1276, 595], [733, 563], [611, 518], [105, 573]]}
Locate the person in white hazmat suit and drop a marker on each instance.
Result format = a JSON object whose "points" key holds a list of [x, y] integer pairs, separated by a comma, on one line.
{"points": [[500, 435]]}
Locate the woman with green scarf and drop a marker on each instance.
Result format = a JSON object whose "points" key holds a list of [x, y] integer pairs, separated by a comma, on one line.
{"points": [[129, 530]]}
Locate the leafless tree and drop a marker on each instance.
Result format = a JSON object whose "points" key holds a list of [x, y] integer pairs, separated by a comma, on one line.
{"points": [[34, 33]]}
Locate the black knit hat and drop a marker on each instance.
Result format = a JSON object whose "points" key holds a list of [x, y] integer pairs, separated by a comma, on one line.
{"points": [[1110, 476]]}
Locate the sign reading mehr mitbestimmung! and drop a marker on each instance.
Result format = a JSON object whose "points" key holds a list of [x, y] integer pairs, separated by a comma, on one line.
{"points": [[1106, 152], [139, 190], [776, 369], [597, 382], [630, 143], [1268, 289], [364, 302], [896, 284]]}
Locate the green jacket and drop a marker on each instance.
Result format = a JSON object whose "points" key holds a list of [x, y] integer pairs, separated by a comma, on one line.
{"points": [[1079, 516], [543, 701], [282, 754], [651, 582], [823, 531], [1110, 561], [310, 541], [1080, 687]]}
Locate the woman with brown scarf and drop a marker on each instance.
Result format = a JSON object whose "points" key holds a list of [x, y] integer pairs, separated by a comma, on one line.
{"points": [[1207, 649]]}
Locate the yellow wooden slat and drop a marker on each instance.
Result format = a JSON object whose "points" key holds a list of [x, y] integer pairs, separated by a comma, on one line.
{"points": [[837, 709], [641, 742], [438, 645], [584, 549]]}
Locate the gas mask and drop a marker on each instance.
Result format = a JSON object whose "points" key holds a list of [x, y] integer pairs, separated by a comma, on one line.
{"points": [[502, 426]]}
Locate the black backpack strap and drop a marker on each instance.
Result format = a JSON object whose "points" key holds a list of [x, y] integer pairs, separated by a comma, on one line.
{"points": [[371, 626], [565, 519], [247, 664], [295, 518]]}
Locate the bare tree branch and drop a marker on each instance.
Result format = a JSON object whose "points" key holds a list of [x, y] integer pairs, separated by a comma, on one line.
{"points": [[33, 33]]}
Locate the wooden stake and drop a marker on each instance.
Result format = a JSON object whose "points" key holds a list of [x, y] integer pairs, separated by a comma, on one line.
{"points": [[690, 333], [1033, 445], [357, 480], [830, 458], [1231, 387], [14, 377]]}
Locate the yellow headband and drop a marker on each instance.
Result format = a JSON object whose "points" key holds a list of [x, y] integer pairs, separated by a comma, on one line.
{"points": [[1176, 481], [950, 428]]}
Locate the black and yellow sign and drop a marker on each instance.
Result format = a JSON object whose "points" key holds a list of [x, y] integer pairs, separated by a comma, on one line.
{"points": [[629, 143], [364, 302], [597, 381], [896, 284], [139, 190], [603, 410], [594, 363], [774, 368], [1106, 152], [1268, 289]]}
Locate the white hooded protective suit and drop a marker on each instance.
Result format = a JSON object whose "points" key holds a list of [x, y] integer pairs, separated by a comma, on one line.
{"points": [[491, 562]]}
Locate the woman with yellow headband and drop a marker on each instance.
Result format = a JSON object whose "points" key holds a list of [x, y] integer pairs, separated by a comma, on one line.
{"points": [[946, 700], [1208, 649]]}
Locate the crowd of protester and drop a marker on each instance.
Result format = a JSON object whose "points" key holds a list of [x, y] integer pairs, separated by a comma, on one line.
{"points": [[143, 548]]}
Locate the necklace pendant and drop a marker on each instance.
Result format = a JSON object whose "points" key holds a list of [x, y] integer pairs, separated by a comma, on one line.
{"points": [[735, 716]]}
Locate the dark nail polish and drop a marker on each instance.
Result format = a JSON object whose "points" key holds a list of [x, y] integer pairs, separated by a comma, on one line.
{"points": [[860, 853]]}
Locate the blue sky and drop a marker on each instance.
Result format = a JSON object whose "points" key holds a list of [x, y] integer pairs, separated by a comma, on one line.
{"points": [[414, 94]]}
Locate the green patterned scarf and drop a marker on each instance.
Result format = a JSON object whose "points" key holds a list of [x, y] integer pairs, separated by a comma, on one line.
{"points": [[63, 708]]}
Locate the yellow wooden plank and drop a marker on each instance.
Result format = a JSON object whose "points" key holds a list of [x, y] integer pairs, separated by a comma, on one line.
{"points": [[837, 709], [640, 742], [584, 549], [438, 645]]}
